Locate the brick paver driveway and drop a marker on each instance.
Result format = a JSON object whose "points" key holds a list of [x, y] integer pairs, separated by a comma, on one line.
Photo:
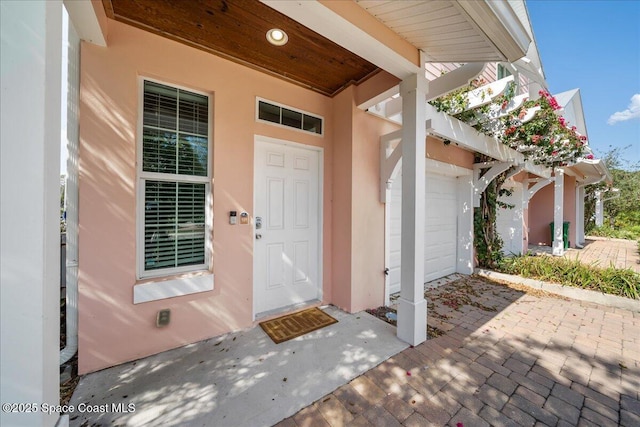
{"points": [[506, 357]]}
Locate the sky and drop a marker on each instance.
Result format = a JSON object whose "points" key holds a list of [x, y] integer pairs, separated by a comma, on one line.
{"points": [[595, 46]]}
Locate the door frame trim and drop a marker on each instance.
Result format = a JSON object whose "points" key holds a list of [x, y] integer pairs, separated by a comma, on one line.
{"points": [[258, 139]]}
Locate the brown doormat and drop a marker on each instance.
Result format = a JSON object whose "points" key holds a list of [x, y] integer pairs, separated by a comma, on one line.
{"points": [[296, 324]]}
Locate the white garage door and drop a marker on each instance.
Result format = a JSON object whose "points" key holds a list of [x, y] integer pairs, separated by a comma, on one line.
{"points": [[440, 229]]}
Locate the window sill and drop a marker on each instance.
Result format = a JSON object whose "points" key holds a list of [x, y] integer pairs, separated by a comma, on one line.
{"points": [[154, 291]]}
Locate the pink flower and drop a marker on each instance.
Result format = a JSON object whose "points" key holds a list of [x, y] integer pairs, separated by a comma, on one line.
{"points": [[535, 139], [523, 112], [555, 153], [589, 156]]}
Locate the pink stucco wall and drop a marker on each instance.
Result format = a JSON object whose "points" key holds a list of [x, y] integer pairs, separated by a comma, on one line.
{"points": [[540, 213], [437, 150], [358, 214], [111, 328]]}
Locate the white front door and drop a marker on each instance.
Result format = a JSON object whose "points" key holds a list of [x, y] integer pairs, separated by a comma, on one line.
{"points": [[286, 225]]}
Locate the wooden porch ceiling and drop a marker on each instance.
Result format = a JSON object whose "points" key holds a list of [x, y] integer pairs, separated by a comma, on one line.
{"points": [[236, 30]]}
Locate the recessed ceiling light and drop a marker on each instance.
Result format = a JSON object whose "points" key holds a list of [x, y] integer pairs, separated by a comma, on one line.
{"points": [[277, 37]]}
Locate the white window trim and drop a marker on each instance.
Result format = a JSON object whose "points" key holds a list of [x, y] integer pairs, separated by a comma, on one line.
{"points": [[288, 107], [178, 286], [153, 291]]}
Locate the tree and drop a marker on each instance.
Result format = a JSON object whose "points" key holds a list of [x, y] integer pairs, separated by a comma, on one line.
{"points": [[621, 213]]}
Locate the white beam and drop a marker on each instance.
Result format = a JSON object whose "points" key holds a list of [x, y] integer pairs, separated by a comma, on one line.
{"points": [[454, 79], [452, 129], [485, 94], [449, 128], [538, 170], [86, 22], [327, 23], [558, 212], [412, 307], [379, 98]]}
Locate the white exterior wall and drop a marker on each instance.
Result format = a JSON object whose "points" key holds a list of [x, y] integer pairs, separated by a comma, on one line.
{"points": [[31, 44]]}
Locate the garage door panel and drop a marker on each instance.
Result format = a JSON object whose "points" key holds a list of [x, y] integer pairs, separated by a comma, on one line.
{"points": [[440, 229]]}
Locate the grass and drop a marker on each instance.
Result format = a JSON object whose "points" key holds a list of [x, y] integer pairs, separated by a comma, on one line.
{"points": [[628, 233], [615, 281]]}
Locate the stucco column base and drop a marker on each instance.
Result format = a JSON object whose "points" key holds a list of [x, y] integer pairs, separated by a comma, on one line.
{"points": [[412, 321]]}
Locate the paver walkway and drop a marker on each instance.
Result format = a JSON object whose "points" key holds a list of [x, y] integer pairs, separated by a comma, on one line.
{"points": [[603, 252], [507, 358]]}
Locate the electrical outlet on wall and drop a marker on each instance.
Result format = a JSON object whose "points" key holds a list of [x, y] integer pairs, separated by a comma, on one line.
{"points": [[163, 317]]}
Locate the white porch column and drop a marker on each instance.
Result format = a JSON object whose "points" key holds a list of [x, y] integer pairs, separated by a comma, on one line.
{"points": [[412, 307], [599, 209], [558, 205], [31, 80], [464, 263], [580, 215]]}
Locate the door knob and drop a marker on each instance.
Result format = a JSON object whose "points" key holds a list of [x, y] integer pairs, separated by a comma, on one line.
{"points": [[258, 236]]}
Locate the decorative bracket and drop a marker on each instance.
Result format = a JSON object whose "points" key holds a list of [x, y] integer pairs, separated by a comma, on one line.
{"points": [[389, 161], [539, 184], [516, 170], [480, 183]]}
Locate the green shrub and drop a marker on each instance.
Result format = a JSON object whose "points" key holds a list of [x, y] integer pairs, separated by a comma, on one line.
{"points": [[615, 281], [629, 232]]}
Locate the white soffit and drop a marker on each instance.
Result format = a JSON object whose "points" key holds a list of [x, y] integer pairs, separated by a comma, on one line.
{"points": [[455, 31]]}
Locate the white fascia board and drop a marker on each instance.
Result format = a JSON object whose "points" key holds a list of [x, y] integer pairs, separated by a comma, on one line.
{"points": [[539, 170], [501, 25], [85, 21], [601, 172], [334, 27]]}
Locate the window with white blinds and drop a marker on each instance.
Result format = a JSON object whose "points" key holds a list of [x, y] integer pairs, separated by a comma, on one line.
{"points": [[174, 181]]}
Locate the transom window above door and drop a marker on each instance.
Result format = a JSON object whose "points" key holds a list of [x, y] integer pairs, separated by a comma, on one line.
{"points": [[270, 112]]}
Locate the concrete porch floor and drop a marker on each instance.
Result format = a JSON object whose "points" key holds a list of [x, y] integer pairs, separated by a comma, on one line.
{"points": [[239, 379]]}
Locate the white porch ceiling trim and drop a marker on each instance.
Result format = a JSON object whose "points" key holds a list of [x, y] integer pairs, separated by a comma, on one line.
{"points": [[334, 27], [501, 25]]}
